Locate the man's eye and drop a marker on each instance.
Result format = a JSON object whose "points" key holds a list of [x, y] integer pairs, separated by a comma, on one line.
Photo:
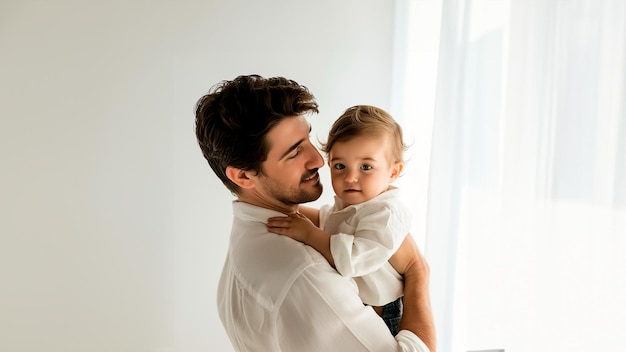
{"points": [[295, 154], [339, 166], [366, 167]]}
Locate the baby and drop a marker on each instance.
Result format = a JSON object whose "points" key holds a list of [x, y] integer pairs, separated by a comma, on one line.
{"points": [[367, 223]]}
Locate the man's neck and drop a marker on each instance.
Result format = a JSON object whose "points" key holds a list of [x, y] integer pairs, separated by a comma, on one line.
{"points": [[273, 204]]}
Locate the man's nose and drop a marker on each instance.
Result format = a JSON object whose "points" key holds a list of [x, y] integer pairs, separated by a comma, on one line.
{"points": [[316, 160]]}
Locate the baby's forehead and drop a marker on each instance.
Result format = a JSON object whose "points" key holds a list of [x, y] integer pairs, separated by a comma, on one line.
{"points": [[383, 139], [377, 146], [361, 146]]}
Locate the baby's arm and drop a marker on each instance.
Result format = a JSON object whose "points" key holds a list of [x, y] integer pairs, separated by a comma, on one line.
{"points": [[378, 234], [311, 213], [300, 228]]}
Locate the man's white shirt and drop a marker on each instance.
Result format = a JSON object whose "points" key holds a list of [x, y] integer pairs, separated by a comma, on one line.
{"points": [[277, 294]]}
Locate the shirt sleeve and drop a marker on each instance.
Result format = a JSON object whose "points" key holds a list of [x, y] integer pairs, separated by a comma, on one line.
{"points": [[322, 312], [378, 234]]}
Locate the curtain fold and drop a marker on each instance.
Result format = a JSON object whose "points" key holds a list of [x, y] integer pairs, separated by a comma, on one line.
{"points": [[526, 211], [446, 171]]}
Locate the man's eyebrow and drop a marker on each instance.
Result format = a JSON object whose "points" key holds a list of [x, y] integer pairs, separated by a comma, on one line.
{"points": [[294, 146]]}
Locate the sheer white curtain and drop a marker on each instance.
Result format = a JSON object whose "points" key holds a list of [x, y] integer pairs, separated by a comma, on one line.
{"points": [[526, 211]]}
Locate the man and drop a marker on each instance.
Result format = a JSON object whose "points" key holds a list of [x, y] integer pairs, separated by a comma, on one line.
{"points": [[277, 294]]}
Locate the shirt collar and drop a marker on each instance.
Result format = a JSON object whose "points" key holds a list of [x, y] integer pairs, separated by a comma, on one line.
{"points": [[392, 192], [249, 212]]}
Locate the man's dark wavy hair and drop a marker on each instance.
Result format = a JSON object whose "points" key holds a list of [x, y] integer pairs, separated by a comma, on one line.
{"points": [[233, 119]]}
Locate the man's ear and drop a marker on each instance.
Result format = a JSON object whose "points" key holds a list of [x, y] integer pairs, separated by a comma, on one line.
{"points": [[396, 171], [239, 177]]}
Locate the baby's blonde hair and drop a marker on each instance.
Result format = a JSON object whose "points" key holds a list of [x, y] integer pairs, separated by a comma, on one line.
{"points": [[366, 120]]}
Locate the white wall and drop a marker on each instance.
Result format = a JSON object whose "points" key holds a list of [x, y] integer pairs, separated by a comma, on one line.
{"points": [[113, 229]]}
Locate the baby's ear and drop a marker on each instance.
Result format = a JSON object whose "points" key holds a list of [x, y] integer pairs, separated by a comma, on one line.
{"points": [[396, 170], [240, 177]]}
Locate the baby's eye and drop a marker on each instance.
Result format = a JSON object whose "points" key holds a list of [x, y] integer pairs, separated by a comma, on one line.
{"points": [[366, 167], [339, 166]]}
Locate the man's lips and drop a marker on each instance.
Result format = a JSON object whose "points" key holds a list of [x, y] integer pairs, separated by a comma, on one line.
{"points": [[313, 177]]}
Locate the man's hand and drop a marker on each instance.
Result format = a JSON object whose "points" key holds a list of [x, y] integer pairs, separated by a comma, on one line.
{"points": [[417, 316], [409, 258]]}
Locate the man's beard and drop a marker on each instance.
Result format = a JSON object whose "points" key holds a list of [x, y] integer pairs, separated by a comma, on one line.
{"points": [[293, 195]]}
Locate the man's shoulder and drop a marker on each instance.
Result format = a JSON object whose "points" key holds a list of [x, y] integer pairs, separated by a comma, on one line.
{"points": [[269, 264]]}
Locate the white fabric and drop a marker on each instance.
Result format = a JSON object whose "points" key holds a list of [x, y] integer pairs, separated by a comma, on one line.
{"points": [[527, 190], [363, 238], [277, 294]]}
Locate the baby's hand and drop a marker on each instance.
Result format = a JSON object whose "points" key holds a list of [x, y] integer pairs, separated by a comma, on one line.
{"points": [[295, 225]]}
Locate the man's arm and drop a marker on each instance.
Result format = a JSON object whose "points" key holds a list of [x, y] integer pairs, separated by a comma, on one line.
{"points": [[323, 312], [417, 316]]}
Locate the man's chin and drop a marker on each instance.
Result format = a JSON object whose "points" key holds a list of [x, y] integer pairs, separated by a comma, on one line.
{"points": [[314, 194]]}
